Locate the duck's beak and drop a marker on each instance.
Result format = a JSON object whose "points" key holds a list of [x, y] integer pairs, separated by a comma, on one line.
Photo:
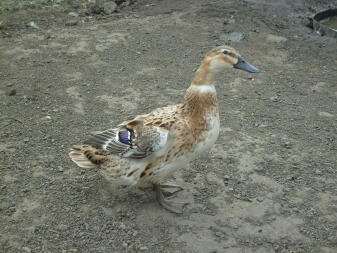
{"points": [[242, 64]]}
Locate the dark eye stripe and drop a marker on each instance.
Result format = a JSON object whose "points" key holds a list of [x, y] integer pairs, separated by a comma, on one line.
{"points": [[229, 53]]}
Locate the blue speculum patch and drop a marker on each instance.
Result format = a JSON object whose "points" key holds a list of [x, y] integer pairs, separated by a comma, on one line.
{"points": [[124, 137]]}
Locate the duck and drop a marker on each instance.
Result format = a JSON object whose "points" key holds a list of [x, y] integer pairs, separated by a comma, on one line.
{"points": [[149, 148]]}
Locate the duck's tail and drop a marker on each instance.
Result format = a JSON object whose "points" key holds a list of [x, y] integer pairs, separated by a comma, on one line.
{"points": [[86, 156]]}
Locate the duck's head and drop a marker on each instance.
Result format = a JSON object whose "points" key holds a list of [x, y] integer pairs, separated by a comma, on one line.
{"points": [[224, 57]]}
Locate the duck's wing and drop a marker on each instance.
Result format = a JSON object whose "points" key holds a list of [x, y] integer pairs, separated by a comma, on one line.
{"points": [[132, 140]]}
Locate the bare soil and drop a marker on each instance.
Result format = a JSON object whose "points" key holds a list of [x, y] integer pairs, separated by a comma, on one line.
{"points": [[268, 185]]}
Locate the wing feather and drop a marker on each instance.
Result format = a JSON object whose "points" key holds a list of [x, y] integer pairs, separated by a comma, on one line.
{"points": [[144, 140]]}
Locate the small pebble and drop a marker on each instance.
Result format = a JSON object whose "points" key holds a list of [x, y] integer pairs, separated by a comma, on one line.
{"points": [[260, 199], [220, 234], [46, 117], [12, 92], [26, 249], [287, 145], [109, 7], [71, 22], [318, 172], [33, 25], [73, 14]]}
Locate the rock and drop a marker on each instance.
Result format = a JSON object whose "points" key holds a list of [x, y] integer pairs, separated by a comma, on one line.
{"points": [[33, 25], [26, 140], [220, 234], [71, 22], [287, 145], [46, 117], [228, 20], [125, 3], [12, 92], [95, 6], [143, 248], [260, 199], [26, 249], [73, 14], [231, 37], [275, 38], [109, 8], [326, 114]]}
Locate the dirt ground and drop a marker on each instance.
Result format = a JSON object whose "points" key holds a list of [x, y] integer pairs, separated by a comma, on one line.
{"points": [[268, 185]]}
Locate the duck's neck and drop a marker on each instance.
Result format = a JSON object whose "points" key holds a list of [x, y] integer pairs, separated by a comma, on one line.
{"points": [[204, 75], [201, 95]]}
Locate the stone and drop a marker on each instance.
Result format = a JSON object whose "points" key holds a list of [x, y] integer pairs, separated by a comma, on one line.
{"points": [[109, 8], [26, 249], [46, 117], [73, 14], [228, 20], [71, 22], [260, 199], [231, 37], [275, 38], [220, 234], [12, 92], [33, 25]]}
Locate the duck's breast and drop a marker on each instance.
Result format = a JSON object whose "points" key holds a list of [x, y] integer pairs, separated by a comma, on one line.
{"points": [[210, 135]]}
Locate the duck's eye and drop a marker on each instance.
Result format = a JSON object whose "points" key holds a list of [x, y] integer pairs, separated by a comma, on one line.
{"points": [[225, 52]]}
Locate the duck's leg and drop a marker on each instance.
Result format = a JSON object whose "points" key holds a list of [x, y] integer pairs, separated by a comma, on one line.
{"points": [[169, 205], [171, 184]]}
